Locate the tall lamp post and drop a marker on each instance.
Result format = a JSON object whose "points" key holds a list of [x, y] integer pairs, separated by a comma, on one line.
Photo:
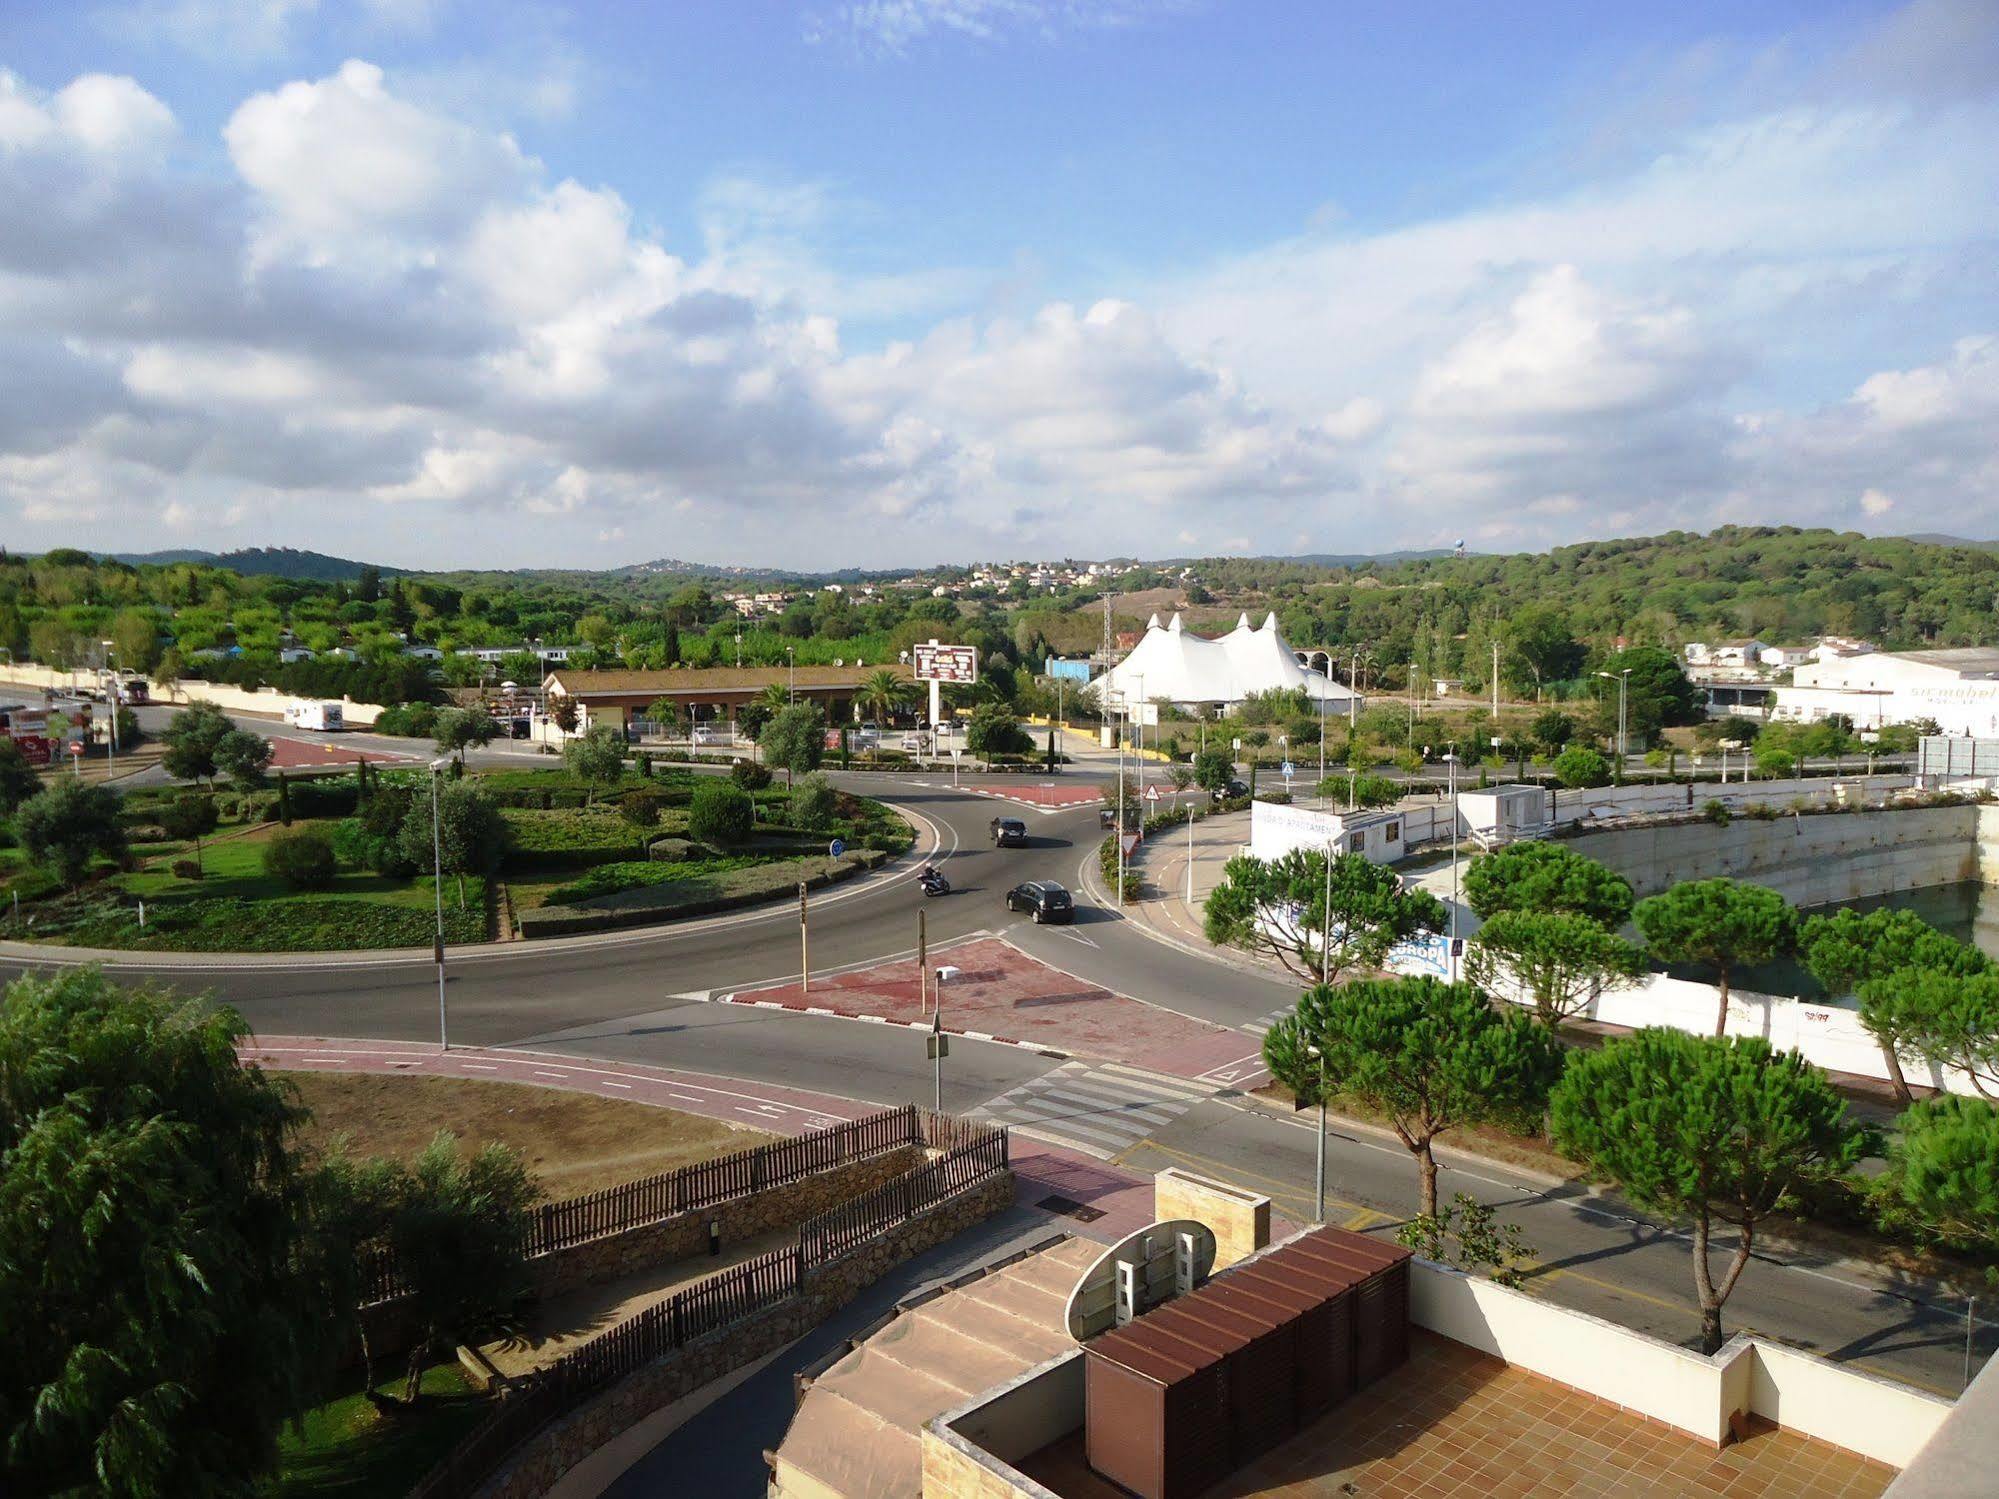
{"points": [[1319, 1168], [437, 880], [791, 665], [1623, 681], [940, 1044], [1451, 759]]}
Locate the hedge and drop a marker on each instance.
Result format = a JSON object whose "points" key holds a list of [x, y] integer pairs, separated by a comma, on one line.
{"points": [[683, 899], [570, 839], [227, 924]]}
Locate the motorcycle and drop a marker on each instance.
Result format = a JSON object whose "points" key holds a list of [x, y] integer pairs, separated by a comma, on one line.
{"points": [[934, 883]]}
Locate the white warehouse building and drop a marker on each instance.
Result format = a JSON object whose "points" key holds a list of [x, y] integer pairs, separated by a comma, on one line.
{"points": [[1172, 665], [1958, 688]]}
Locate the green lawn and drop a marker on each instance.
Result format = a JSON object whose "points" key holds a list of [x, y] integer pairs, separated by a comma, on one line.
{"points": [[348, 1448]]}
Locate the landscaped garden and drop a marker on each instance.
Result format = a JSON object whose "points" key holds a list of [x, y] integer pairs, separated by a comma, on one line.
{"points": [[244, 860]]}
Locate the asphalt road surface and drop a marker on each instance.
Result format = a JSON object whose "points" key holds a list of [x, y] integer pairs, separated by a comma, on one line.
{"points": [[643, 996]]}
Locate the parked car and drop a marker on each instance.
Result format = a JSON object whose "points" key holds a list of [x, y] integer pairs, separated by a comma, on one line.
{"points": [[1009, 832], [1232, 789], [710, 734], [1044, 900]]}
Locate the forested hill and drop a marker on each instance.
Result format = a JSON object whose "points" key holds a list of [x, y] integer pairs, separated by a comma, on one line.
{"points": [[267, 562], [1779, 584]]}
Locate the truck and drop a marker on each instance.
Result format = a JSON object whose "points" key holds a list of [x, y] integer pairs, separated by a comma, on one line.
{"points": [[324, 717]]}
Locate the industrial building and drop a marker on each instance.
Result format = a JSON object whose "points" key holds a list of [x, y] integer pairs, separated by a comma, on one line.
{"points": [[1957, 689]]}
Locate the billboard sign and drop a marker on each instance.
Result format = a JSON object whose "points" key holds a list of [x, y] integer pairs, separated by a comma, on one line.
{"points": [[946, 663]]}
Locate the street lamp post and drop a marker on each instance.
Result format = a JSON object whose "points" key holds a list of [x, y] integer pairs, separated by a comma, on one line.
{"points": [[1451, 939], [1319, 1165], [939, 1043], [437, 880], [1623, 681], [791, 665]]}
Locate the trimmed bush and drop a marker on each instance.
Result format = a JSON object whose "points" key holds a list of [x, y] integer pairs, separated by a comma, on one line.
{"points": [[639, 808], [721, 813], [301, 858], [813, 802], [749, 775], [186, 869]]}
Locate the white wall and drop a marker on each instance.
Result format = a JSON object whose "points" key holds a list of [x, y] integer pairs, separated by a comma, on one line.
{"points": [[266, 700], [1874, 1417]]}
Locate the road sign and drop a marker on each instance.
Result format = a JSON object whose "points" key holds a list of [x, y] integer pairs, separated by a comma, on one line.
{"points": [[76, 746], [946, 663], [936, 1046], [837, 847], [1130, 842], [1152, 793], [1289, 770]]}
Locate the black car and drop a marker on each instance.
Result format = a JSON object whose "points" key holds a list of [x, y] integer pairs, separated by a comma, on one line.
{"points": [[1233, 789], [1044, 900], [1009, 832]]}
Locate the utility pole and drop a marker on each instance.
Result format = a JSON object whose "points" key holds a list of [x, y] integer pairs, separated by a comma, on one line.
{"points": [[922, 961], [437, 883], [1495, 685]]}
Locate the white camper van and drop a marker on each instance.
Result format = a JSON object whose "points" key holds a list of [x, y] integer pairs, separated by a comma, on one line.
{"points": [[324, 717]]}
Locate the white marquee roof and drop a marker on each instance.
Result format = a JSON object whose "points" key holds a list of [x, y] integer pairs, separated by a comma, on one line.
{"points": [[1172, 665]]}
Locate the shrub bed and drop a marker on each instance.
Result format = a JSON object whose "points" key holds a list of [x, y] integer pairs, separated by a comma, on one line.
{"points": [[572, 839], [680, 899], [227, 924]]}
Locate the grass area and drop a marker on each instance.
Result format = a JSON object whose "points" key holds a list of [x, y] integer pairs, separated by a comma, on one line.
{"points": [[348, 1448], [609, 879], [574, 836], [574, 1142]]}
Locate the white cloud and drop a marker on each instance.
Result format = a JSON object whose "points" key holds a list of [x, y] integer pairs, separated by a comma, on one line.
{"points": [[345, 158], [214, 28], [1875, 503], [892, 25]]}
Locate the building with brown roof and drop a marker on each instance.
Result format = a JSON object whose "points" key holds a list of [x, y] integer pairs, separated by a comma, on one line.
{"points": [[709, 694]]}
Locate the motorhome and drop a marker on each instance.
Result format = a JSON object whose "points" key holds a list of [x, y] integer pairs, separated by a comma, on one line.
{"points": [[323, 717]]}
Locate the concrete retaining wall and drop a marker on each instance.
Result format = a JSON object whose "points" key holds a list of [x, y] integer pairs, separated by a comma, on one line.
{"points": [[532, 1470], [265, 700], [1810, 860]]}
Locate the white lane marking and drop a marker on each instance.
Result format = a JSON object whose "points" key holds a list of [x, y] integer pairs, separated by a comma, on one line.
{"points": [[478, 1067], [626, 1086]]}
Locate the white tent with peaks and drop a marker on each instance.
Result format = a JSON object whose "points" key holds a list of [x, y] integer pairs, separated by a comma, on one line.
{"points": [[1172, 665]]}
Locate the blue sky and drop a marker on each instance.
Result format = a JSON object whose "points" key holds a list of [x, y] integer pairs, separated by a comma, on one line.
{"points": [[886, 282]]}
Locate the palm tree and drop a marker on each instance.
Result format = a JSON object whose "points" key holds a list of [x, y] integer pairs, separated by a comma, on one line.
{"points": [[882, 692]]}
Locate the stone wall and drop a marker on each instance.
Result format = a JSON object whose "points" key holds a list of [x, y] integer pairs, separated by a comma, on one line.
{"points": [[1240, 1219], [686, 1234], [1810, 860], [558, 1447], [612, 1255]]}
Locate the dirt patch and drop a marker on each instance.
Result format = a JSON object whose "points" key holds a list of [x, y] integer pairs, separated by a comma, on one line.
{"points": [[573, 1142]]}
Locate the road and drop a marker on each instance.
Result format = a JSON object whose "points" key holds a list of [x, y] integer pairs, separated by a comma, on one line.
{"points": [[647, 996]]}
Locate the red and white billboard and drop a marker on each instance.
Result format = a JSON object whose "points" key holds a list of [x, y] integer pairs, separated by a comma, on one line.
{"points": [[946, 663]]}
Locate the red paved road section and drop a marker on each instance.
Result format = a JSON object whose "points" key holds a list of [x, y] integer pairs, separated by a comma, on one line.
{"points": [[1001, 994], [1121, 1203], [1039, 796], [298, 754]]}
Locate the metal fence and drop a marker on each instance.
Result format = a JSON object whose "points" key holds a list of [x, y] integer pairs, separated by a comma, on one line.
{"points": [[575, 1220], [852, 1224], [718, 1302]]}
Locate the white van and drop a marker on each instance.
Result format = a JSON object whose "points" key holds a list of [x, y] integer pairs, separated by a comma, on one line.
{"points": [[708, 733], [325, 718]]}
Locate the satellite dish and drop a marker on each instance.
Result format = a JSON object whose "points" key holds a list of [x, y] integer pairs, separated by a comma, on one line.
{"points": [[1168, 1259]]}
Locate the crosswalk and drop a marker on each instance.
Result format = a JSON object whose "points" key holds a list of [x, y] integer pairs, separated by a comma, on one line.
{"points": [[1098, 1108], [1261, 1026]]}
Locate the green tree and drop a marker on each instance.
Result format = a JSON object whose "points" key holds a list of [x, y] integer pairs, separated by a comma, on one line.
{"points": [[1539, 876], [67, 826], [720, 812], [1847, 950], [189, 817], [1537, 642], [470, 836], [1431, 1056], [1659, 690], [456, 1230], [1579, 767], [668, 714], [1552, 729], [1213, 769], [135, 640], [1943, 1165], [460, 729], [190, 740], [883, 693], [243, 757], [1361, 791], [1559, 961], [597, 758], [1317, 922], [1707, 1128], [1952, 1019], [1719, 924], [1466, 1235], [158, 1327], [995, 731], [300, 858], [795, 739], [18, 780], [813, 802]]}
